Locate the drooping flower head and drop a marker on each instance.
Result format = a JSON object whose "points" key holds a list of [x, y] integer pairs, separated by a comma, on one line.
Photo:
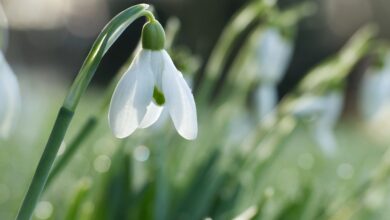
{"points": [[152, 83]]}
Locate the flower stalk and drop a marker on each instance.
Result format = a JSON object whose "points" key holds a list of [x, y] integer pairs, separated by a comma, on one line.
{"points": [[105, 40]]}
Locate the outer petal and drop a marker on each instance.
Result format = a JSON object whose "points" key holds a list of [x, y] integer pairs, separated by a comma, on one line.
{"points": [[9, 98], [153, 113], [179, 100], [131, 97]]}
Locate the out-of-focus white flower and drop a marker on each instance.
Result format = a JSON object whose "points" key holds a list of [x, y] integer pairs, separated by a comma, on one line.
{"points": [[324, 112], [375, 90], [265, 99], [9, 98], [374, 100], [134, 103], [274, 53]]}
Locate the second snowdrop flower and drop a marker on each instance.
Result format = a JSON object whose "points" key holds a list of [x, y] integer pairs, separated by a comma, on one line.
{"points": [[152, 83], [274, 53]]}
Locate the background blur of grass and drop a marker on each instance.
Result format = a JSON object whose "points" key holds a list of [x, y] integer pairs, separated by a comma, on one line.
{"points": [[155, 174], [295, 176]]}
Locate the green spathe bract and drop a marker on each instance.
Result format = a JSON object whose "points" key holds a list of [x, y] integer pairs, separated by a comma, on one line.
{"points": [[153, 36]]}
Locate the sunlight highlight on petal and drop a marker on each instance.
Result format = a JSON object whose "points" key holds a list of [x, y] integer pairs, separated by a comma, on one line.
{"points": [[180, 101], [153, 113], [131, 97]]}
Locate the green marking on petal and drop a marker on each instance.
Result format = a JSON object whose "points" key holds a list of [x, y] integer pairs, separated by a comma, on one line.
{"points": [[158, 96]]}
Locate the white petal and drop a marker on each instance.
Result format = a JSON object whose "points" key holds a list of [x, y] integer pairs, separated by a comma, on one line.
{"points": [[9, 98], [179, 100], [157, 66], [153, 112], [131, 97]]}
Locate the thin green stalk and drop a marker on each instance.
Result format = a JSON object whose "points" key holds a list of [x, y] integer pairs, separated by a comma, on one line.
{"points": [[107, 37], [63, 120], [161, 205], [77, 201], [86, 130], [161, 192]]}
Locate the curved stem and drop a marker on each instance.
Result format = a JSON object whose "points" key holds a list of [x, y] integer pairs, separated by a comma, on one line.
{"points": [[107, 37], [105, 40]]}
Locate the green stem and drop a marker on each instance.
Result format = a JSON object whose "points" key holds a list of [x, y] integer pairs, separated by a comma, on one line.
{"points": [[77, 201], [57, 135], [105, 40], [86, 130], [161, 202]]}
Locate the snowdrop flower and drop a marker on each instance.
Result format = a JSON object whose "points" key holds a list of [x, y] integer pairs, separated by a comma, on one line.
{"points": [[273, 54], [151, 84], [375, 90], [9, 98], [325, 111]]}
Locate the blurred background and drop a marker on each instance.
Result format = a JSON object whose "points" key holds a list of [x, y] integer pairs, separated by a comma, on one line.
{"points": [[49, 39], [57, 34]]}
